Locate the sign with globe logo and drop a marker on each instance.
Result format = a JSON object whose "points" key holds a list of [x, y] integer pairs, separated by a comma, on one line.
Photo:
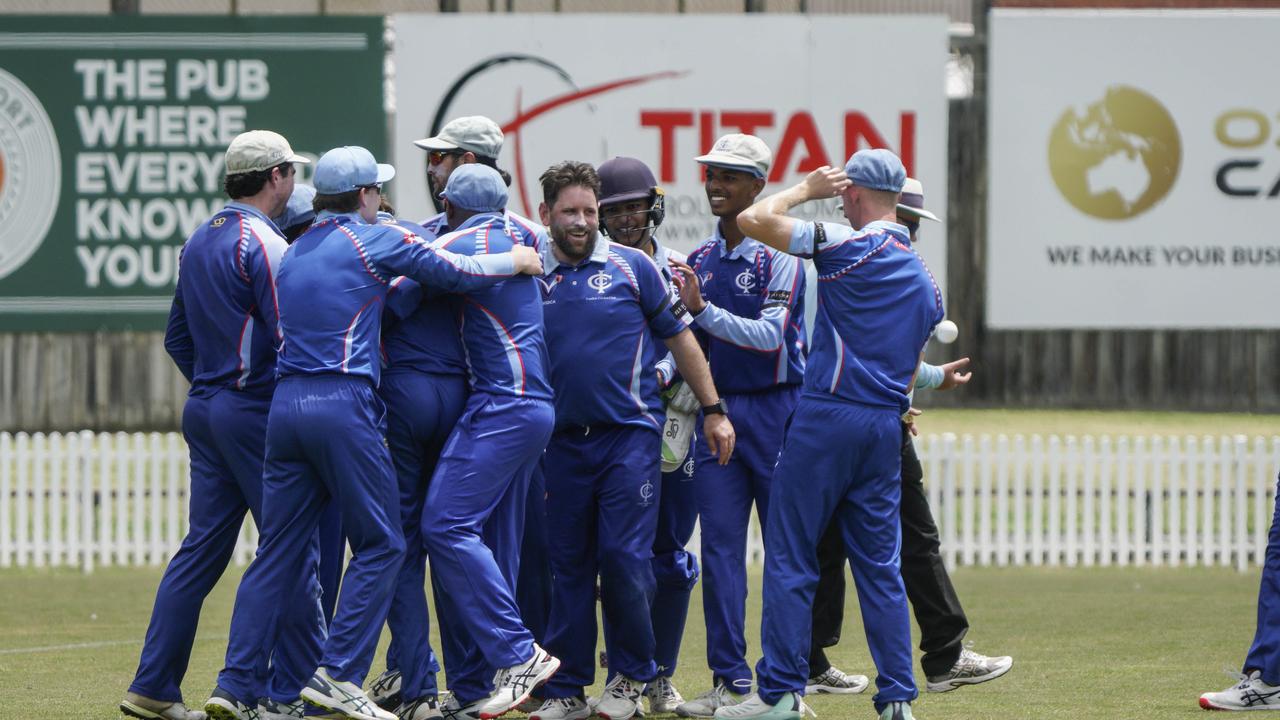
{"points": [[1117, 158]]}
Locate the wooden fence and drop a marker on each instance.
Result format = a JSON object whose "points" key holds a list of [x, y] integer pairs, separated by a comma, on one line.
{"points": [[101, 499]]}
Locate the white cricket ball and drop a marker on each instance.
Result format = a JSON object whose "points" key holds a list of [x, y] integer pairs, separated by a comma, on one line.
{"points": [[946, 332]]}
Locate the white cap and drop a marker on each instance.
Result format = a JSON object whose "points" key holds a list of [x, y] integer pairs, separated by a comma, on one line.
{"points": [[475, 133], [259, 150], [911, 202], [740, 152]]}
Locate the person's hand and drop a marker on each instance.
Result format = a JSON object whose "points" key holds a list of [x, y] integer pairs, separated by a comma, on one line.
{"points": [[910, 420], [690, 288], [527, 261], [720, 436], [953, 374], [825, 182]]}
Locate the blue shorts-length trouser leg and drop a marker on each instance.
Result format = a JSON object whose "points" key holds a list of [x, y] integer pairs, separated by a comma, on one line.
{"points": [[422, 409], [225, 435], [472, 524], [675, 569], [725, 495], [325, 439], [841, 460], [1264, 654], [602, 513]]}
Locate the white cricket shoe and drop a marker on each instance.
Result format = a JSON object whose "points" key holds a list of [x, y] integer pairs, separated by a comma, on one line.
{"points": [[663, 696], [269, 709], [620, 698], [384, 691], [1251, 693], [706, 704], [836, 681], [574, 708], [222, 705], [789, 707], [970, 669], [896, 711], [512, 685], [141, 706], [344, 698], [424, 708], [451, 709]]}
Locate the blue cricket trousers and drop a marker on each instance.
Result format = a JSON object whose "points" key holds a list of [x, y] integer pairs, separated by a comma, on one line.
{"points": [[422, 409], [603, 486], [725, 494], [533, 586], [840, 460], [325, 439], [674, 569], [1264, 655], [472, 523], [225, 434]]}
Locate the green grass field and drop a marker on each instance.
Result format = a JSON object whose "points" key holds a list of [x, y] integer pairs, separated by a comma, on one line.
{"points": [[1095, 643]]}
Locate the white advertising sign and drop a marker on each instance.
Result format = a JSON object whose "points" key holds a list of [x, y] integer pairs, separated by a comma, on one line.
{"points": [[663, 88], [1134, 170]]}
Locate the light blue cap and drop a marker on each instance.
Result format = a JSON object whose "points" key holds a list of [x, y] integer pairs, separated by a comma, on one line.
{"points": [[877, 169], [300, 208], [344, 169], [476, 187]]}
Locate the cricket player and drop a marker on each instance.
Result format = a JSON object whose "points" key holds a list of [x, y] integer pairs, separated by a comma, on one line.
{"points": [[473, 514], [425, 387], [326, 433], [632, 207], [223, 334], [604, 305], [747, 300], [841, 456]]}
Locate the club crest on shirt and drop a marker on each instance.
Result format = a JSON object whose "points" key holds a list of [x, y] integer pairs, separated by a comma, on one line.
{"points": [[600, 282], [548, 286], [218, 221], [646, 494], [745, 281]]}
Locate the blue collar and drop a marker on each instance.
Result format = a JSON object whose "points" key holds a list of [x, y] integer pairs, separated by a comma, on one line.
{"points": [[477, 221], [599, 254], [351, 217], [890, 227], [745, 249]]}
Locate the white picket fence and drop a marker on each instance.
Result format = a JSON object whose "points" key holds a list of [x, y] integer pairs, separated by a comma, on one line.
{"points": [[100, 499]]}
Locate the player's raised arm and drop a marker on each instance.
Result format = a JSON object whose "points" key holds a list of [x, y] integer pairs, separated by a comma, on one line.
{"points": [[767, 220]]}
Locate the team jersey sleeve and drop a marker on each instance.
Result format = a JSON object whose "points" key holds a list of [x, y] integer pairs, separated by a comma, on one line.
{"points": [[264, 255], [404, 253], [928, 376], [811, 239], [403, 297], [177, 336], [665, 316], [766, 332]]}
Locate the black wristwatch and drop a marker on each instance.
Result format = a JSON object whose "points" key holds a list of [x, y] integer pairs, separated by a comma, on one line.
{"points": [[716, 408]]}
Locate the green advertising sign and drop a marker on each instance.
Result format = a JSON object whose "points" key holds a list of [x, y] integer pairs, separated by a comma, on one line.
{"points": [[112, 134]]}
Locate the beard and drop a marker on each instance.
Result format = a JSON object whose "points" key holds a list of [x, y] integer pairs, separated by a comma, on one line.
{"points": [[572, 247]]}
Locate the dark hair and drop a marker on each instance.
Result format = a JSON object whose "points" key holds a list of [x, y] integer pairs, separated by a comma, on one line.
{"points": [[346, 202], [248, 184], [565, 174], [384, 205], [493, 163]]}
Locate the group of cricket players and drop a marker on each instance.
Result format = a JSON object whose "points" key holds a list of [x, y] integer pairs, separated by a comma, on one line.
{"points": [[539, 412]]}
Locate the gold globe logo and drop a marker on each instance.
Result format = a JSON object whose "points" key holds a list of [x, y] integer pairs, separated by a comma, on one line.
{"points": [[1119, 157]]}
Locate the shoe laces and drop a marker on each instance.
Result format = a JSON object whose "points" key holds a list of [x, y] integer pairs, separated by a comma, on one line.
{"points": [[566, 704], [624, 687], [662, 688]]}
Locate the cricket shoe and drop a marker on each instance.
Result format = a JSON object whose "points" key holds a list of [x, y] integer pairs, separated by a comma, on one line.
{"points": [[269, 709], [574, 708], [788, 707], [141, 706], [222, 705], [970, 669], [663, 696], [896, 711], [384, 691], [706, 704], [836, 681], [451, 709], [620, 698], [513, 685], [344, 698], [1251, 693], [424, 708]]}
